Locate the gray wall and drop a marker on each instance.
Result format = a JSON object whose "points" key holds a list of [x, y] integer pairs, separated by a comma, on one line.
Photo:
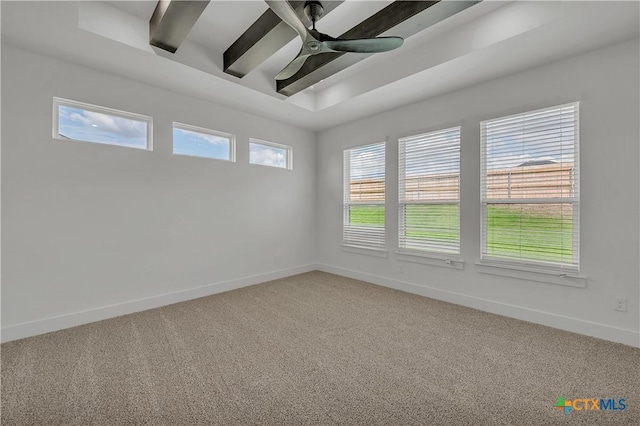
{"points": [[92, 231], [88, 226], [606, 83]]}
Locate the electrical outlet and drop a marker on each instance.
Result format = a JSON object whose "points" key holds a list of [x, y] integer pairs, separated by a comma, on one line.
{"points": [[620, 304]]}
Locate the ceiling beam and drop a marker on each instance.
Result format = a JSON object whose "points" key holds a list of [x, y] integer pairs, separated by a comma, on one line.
{"points": [[394, 14], [172, 21], [263, 38]]}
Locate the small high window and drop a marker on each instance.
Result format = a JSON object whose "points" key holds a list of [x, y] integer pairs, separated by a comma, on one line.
{"points": [[270, 154], [199, 142], [91, 123]]}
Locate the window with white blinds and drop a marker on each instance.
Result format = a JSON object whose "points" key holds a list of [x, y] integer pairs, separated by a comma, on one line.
{"points": [[364, 180], [530, 188], [429, 192]]}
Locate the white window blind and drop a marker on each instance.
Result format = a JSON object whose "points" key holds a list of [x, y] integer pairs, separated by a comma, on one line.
{"points": [[530, 188], [364, 196], [429, 192]]}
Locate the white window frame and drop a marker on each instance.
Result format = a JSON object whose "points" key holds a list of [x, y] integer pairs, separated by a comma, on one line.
{"points": [[289, 149], [196, 129], [544, 267], [375, 234], [58, 102], [403, 203]]}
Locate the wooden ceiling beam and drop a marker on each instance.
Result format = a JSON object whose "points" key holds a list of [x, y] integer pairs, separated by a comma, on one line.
{"points": [[263, 38], [171, 22]]}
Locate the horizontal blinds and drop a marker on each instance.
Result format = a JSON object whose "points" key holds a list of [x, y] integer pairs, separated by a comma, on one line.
{"points": [[429, 191], [530, 187], [364, 196]]}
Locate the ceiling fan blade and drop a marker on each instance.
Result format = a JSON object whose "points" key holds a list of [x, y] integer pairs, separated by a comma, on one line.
{"points": [[293, 67], [283, 9], [365, 45]]}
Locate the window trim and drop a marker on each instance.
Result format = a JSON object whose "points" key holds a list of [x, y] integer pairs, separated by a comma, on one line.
{"points": [[431, 259], [57, 102], [430, 253], [203, 130], [530, 273], [288, 148], [549, 271]]}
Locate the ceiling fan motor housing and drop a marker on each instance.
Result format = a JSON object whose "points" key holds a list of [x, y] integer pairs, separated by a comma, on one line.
{"points": [[313, 10]]}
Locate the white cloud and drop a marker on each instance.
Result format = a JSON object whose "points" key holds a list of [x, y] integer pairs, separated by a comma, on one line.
{"points": [[214, 140], [367, 163], [193, 136], [268, 156], [123, 127]]}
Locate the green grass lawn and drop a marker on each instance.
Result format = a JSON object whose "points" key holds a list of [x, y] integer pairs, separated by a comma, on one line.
{"points": [[367, 215], [437, 224], [530, 232], [524, 232]]}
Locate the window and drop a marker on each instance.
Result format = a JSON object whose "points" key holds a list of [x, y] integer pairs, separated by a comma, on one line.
{"points": [[429, 192], [199, 142], [90, 123], [530, 188], [364, 180], [270, 154]]}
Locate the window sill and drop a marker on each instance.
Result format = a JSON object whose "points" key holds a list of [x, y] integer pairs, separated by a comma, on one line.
{"points": [[432, 259], [365, 250], [568, 278]]}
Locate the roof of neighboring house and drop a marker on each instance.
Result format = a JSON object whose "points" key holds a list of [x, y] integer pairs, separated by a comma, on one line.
{"points": [[536, 163]]}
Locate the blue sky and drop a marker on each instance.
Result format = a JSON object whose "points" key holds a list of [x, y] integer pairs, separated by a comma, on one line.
{"points": [[543, 135], [78, 124], [90, 126], [538, 140], [188, 142], [434, 153], [550, 137]]}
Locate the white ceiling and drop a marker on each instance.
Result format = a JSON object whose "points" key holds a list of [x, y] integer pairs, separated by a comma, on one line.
{"points": [[483, 42]]}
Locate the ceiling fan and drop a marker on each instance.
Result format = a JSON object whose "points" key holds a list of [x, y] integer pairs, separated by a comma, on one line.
{"points": [[315, 42]]}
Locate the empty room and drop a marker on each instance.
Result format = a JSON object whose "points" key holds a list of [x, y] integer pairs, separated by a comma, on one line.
{"points": [[351, 212]]}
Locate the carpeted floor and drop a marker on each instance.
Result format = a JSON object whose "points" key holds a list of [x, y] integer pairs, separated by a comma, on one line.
{"points": [[314, 349]]}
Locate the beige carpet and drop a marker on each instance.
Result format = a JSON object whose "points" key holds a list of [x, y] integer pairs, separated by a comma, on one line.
{"points": [[314, 349]]}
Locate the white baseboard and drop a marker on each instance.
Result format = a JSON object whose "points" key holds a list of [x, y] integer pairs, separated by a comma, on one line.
{"points": [[46, 325], [601, 331]]}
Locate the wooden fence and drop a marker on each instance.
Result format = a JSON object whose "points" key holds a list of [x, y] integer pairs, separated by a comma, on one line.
{"points": [[541, 181]]}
